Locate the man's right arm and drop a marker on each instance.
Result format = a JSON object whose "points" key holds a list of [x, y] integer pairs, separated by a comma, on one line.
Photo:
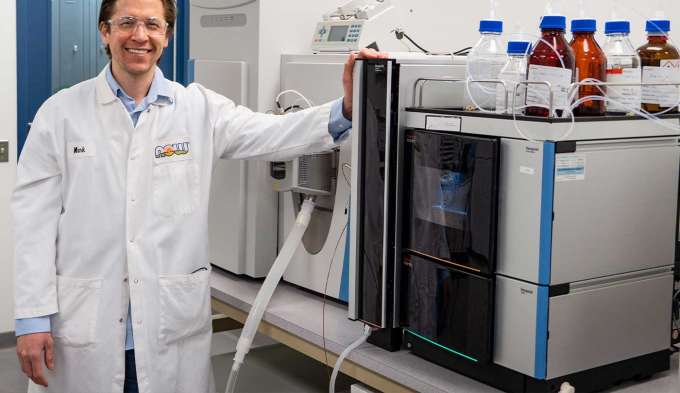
{"points": [[36, 207]]}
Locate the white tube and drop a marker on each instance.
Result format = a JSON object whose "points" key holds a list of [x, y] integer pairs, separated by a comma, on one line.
{"points": [[267, 290], [343, 355]]}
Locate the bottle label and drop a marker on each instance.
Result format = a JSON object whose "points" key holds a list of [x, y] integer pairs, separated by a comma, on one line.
{"points": [[559, 79], [664, 96], [627, 97], [511, 80]]}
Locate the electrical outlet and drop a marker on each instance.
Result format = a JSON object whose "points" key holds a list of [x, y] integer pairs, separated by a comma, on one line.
{"points": [[4, 151]]}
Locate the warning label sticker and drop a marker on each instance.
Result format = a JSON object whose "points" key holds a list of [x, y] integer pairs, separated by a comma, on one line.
{"points": [[570, 167]]}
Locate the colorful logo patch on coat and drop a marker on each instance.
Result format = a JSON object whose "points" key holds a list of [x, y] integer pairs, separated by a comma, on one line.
{"points": [[175, 149]]}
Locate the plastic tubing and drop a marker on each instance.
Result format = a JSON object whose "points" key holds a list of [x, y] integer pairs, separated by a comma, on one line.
{"points": [[343, 355], [267, 290]]}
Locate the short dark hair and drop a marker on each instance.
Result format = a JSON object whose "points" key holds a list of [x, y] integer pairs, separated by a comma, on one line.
{"points": [[108, 7]]}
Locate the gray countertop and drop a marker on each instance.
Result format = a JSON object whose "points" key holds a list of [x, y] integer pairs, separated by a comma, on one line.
{"points": [[300, 313]]}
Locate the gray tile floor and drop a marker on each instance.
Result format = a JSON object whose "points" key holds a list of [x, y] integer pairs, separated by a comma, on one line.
{"points": [[274, 368]]}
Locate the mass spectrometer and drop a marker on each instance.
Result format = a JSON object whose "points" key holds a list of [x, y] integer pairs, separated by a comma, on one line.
{"points": [[235, 52]]}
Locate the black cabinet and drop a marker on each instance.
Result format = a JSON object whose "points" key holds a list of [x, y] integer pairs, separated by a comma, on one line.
{"points": [[449, 307]]}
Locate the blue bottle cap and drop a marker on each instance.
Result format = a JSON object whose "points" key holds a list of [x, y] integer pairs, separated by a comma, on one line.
{"points": [[658, 26], [583, 26], [519, 47], [554, 22], [617, 27], [490, 26]]}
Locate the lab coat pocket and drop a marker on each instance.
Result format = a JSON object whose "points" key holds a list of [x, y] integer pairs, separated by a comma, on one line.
{"points": [[75, 324], [175, 188], [185, 306]]}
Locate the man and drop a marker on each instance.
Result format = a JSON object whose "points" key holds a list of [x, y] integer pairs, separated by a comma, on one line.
{"points": [[111, 207]]}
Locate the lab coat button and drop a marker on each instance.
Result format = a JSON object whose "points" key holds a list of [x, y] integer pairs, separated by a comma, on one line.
{"points": [[120, 320], [136, 281], [125, 279]]}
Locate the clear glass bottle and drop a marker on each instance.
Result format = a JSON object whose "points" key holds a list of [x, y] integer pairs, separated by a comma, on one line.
{"points": [[485, 61], [660, 64], [513, 72], [552, 60], [591, 63], [623, 66]]}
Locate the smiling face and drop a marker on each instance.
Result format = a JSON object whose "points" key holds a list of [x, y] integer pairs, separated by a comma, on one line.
{"points": [[134, 54]]}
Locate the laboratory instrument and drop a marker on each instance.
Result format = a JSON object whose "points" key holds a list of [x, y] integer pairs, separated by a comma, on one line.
{"points": [[528, 263], [234, 53], [524, 263], [382, 90], [355, 25], [320, 263]]}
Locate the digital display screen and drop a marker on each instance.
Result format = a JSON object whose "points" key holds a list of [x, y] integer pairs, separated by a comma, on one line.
{"points": [[338, 33]]}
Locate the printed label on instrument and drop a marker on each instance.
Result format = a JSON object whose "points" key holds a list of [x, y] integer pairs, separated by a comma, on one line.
{"points": [[627, 97], [443, 123], [570, 167], [527, 170], [559, 79], [665, 96]]}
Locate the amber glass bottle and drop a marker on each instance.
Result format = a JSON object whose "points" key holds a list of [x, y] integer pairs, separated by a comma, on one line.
{"points": [[591, 62], [546, 65], [660, 63]]}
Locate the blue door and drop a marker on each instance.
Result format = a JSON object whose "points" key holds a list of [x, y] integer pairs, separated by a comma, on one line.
{"points": [[58, 46]]}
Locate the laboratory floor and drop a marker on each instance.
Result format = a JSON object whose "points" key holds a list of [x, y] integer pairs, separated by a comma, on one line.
{"points": [[274, 368], [269, 368]]}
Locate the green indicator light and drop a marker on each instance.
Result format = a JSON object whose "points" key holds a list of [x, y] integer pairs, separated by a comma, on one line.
{"points": [[442, 347]]}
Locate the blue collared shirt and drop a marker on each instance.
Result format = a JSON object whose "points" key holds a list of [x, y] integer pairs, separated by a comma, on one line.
{"points": [[160, 90], [338, 127]]}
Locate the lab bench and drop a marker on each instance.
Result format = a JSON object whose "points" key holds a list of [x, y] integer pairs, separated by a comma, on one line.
{"points": [[294, 318]]}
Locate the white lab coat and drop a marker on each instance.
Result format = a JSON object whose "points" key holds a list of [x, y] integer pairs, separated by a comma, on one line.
{"points": [[105, 215]]}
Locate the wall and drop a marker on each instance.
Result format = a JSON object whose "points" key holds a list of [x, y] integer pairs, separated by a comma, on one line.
{"points": [[8, 114], [447, 25]]}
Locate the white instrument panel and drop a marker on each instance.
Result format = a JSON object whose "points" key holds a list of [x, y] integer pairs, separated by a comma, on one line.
{"points": [[338, 36]]}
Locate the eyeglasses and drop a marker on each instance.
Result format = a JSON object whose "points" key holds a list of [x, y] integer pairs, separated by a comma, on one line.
{"points": [[128, 25]]}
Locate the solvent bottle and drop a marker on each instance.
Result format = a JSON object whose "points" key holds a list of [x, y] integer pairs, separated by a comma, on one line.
{"points": [[551, 61], [660, 64], [623, 66], [513, 72], [485, 61], [591, 63]]}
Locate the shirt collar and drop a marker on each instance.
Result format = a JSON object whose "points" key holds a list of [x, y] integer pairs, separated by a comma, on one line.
{"points": [[159, 92]]}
